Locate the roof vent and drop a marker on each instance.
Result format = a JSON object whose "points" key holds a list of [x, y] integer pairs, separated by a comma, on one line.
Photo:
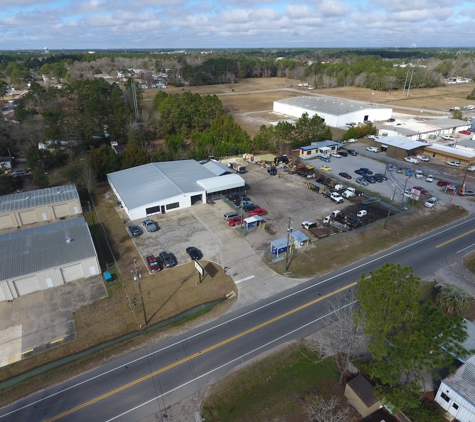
{"points": [[27, 197], [69, 240]]}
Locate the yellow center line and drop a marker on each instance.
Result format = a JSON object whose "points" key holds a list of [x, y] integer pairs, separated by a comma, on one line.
{"points": [[200, 353], [454, 239]]}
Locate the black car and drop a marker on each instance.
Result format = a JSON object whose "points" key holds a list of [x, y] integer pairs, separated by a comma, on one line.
{"points": [[365, 170], [369, 178], [391, 120], [360, 172], [343, 153], [167, 260], [134, 231], [380, 176], [250, 207], [194, 253], [351, 152]]}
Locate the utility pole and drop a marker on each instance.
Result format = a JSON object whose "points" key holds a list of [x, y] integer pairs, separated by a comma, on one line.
{"points": [[410, 82], [138, 276], [287, 253], [389, 210]]}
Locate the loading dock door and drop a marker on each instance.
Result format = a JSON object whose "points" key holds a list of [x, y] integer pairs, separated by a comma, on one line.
{"points": [[5, 222], [71, 273], [61, 210], [28, 217], [27, 285]]}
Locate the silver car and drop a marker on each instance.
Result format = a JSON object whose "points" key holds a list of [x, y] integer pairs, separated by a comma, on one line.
{"points": [[149, 225]]}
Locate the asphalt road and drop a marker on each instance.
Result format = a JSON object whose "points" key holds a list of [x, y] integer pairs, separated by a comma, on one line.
{"points": [[148, 380]]}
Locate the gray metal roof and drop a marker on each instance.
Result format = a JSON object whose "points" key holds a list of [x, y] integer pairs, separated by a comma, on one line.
{"points": [[403, 130], [334, 106], [154, 182], [37, 198], [299, 236], [28, 251], [402, 142], [217, 184], [217, 168], [469, 343], [448, 123], [463, 381]]}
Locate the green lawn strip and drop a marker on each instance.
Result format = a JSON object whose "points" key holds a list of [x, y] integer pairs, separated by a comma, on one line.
{"points": [[271, 388]]}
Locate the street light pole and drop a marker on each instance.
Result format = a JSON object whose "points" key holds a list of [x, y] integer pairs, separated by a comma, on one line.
{"points": [[389, 210], [287, 253]]}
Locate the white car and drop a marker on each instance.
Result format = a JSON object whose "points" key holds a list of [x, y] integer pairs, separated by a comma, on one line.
{"points": [[471, 168], [336, 197], [372, 149], [453, 163], [430, 178], [411, 160], [373, 137], [361, 213], [335, 154], [423, 158], [352, 140], [448, 137], [431, 202]]}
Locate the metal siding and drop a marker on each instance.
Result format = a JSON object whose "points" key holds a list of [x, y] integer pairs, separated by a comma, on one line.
{"points": [[61, 210], [72, 272], [3, 297], [6, 222], [28, 217], [86, 267], [27, 285]]}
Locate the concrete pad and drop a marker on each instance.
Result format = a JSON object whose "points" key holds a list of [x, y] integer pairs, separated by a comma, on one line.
{"points": [[10, 345]]}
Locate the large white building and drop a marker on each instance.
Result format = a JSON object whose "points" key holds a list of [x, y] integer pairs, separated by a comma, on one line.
{"points": [[46, 256], [158, 188], [335, 112]]}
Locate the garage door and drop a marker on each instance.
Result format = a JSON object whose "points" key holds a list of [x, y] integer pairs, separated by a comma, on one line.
{"points": [[61, 210], [28, 217], [5, 222], [72, 272], [27, 285]]}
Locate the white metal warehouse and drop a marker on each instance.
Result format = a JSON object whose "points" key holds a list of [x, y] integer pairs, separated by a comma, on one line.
{"points": [[158, 188], [335, 112], [46, 256], [20, 209]]}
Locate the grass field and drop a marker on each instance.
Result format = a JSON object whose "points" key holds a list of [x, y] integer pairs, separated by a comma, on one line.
{"points": [[274, 388]]}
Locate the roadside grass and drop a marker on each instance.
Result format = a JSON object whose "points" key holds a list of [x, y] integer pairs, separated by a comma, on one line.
{"points": [[332, 253], [272, 388]]}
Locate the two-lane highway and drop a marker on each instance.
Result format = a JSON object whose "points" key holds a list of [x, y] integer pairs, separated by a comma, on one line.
{"points": [[148, 380]]}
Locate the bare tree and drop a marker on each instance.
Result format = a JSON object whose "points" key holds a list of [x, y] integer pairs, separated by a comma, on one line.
{"points": [[88, 175], [319, 409], [341, 337]]}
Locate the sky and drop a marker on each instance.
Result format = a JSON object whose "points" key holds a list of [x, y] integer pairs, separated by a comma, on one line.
{"points": [[181, 24]]}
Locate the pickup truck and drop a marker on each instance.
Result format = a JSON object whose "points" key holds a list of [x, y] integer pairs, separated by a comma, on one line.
{"points": [[336, 197], [349, 193]]}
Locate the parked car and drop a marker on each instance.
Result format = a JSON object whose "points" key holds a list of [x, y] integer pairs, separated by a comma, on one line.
{"points": [[423, 158], [371, 200], [471, 168], [466, 192], [465, 132], [345, 175], [325, 168], [236, 221], [431, 202], [150, 225], [352, 140], [373, 137], [361, 213], [430, 178], [343, 153], [409, 172], [361, 181], [352, 152], [366, 170], [391, 120], [380, 176], [372, 149], [229, 215], [443, 183], [419, 174], [421, 190], [134, 231], [250, 207], [411, 160], [167, 260], [335, 154], [153, 264], [17, 173], [453, 163], [194, 253], [399, 169], [326, 159], [360, 172], [336, 197], [257, 211], [448, 137]]}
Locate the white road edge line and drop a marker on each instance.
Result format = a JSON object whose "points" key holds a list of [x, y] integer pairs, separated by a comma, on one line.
{"points": [[226, 364], [461, 250], [237, 317]]}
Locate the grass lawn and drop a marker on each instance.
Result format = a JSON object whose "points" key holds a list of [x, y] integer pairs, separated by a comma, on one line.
{"points": [[273, 388]]}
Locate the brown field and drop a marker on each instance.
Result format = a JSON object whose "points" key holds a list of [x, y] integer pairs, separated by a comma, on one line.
{"points": [[257, 95]]}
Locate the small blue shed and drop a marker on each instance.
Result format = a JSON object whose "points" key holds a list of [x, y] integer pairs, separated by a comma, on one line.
{"points": [[278, 246], [251, 222], [299, 239]]}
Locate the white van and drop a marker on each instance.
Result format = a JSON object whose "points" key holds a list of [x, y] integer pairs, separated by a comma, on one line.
{"points": [[419, 174]]}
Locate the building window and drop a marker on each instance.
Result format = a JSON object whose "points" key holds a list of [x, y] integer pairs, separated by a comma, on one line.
{"points": [[455, 406], [445, 397], [173, 206]]}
